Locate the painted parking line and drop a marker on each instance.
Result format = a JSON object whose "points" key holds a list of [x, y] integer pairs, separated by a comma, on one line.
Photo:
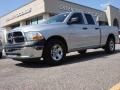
{"points": [[116, 87]]}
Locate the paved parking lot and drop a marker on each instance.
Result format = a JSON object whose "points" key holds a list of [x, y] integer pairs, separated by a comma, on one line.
{"points": [[94, 71]]}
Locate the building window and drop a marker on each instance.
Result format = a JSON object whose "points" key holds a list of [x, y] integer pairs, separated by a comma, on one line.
{"points": [[40, 19], [28, 22], [34, 21], [116, 23]]}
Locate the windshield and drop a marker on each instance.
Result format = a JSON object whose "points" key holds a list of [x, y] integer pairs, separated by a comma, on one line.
{"points": [[54, 19]]}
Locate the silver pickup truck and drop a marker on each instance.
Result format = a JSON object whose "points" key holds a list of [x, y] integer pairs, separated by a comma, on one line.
{"points": [[63, 33]]}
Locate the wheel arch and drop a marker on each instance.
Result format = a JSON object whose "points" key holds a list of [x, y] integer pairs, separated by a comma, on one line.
{"points": [[57, 37], [111, 36]]}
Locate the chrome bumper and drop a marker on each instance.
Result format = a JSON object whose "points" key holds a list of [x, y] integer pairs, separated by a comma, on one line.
{"points": [[24, 53]]}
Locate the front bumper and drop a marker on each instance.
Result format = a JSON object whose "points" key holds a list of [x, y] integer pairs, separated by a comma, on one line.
{"points": [[23, 53]]}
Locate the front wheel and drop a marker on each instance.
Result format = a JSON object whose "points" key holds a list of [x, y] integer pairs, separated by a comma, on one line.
{"points": [[54, 52], [110, 46]]}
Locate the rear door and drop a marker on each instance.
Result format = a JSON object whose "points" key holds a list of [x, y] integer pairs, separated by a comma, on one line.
{"points": [[92, 31]]}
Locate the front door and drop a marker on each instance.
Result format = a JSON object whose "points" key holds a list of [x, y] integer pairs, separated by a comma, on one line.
{"points": [[77, 32], [83, 35]]}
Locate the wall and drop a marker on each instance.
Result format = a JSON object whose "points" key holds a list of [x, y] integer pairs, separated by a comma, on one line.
{"points": [[58, 6], [112, 14], [29, 10]]}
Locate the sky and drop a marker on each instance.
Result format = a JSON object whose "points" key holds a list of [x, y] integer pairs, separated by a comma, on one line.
{"points": [[8, 5]]}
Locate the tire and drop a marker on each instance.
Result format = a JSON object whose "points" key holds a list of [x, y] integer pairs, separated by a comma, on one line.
{"points": [[82, 52], [54, 52], [0, 54], [110, 46]]}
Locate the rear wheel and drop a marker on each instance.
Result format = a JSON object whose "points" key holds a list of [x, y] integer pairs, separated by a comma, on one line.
{"points": [[110, 46], [54, 52]]}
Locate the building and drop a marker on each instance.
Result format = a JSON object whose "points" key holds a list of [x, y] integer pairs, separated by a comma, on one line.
{"points": [[35, 11]]}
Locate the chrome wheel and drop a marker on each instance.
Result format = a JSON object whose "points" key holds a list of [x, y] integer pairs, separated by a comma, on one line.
{"points": [[110, 45], [54, 52], [57, 52]]}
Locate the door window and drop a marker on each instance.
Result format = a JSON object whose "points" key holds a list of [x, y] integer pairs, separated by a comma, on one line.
{"points": [[89, 19], [79, 16]]}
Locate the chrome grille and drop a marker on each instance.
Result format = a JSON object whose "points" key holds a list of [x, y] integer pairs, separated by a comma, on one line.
{"points": [[15, 38]]}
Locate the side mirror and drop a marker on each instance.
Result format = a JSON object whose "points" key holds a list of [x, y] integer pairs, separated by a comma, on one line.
{"points": [[73, 21]]}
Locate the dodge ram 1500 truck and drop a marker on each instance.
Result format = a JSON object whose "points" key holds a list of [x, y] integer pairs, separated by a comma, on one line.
{"points": [[60, 34]]}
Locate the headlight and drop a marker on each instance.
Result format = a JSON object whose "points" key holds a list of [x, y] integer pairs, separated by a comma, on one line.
{"points": [[34, 36]]}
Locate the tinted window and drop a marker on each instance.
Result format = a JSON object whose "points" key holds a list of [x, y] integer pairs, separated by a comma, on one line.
{"points": [[57, 18], [79, 16], [89, 19]]}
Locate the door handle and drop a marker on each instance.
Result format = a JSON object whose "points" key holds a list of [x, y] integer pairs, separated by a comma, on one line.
{"points": [[97, 28], [85, 28]]}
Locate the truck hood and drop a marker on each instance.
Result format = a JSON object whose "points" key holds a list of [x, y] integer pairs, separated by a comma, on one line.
{"points": [[39, 27]]}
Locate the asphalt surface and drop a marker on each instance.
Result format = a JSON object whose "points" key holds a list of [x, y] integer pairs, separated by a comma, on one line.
{"points": [[94, 71]]}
